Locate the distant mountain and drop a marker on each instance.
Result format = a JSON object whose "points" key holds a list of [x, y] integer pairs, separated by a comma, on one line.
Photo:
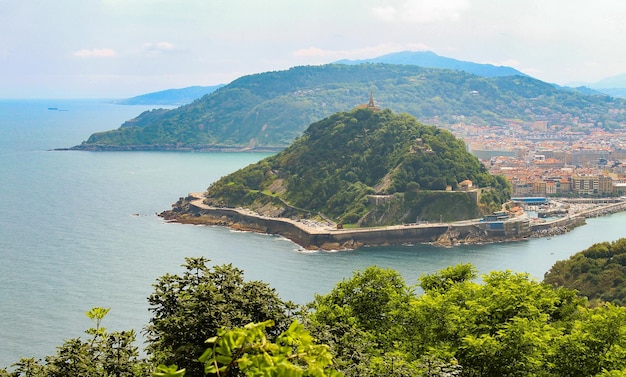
{"points": [[615, 92], [272, 109], [429, 59], [614, 86], [170, 97], [618, 81]]}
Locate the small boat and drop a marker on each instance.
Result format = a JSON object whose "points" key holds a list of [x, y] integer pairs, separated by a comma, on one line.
{"points": [[53, 108]]}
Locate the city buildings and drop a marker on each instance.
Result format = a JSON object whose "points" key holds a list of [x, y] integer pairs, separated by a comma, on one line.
{"points": [[561, 157]]}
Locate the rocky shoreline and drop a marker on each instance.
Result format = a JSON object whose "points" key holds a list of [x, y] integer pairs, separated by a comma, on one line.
{"points": [[309, 235], [167, 148]]}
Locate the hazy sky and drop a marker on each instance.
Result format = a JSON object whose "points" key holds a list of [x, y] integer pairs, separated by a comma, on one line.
{"points": [[122, 48]]}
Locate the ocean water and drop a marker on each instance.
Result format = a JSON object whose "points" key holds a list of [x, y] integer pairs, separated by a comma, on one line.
{"points": [[79, 229]]}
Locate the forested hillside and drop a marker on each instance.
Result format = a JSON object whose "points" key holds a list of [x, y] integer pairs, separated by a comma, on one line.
{"points": [[271, 109], [342, 159], [598, 272]]}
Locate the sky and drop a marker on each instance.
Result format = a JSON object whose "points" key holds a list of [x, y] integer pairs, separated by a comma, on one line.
{"points": [[123, 48]]}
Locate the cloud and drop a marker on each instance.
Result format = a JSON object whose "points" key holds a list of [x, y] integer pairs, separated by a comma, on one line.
{"points": [[95, 53], [385, 12], [506, 63], [315, 52], [420, 11], [159, 47]]}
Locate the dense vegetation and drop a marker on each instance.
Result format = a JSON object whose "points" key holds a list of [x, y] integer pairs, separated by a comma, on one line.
{"points": [[342, 159], [272, 109], [598, 272], [509, 325], [373, 324], [217, 297]]}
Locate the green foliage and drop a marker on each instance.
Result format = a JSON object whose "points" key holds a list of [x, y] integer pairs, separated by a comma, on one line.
{"points": [[431, 206], [598, 272], [447, 277], [247, 350], [274, 108], [596, 343], [342, 159], [372, 324], [190, 308], [359, 319], [294, 353], [168, 371], [96, 315], [103, 355], [509, 325]]}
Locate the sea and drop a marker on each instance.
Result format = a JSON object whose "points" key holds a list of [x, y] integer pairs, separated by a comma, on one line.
{"points": [[80, 229]]}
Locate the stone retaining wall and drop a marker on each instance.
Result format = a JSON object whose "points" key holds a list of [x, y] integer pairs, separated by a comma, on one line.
{"points": [[192, 210]]}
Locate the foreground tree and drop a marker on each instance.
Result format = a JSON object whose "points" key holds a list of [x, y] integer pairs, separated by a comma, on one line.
{"points": [[247, 350], [508, 325], [103, 354], [360, 320], [595, 343], [188, 309], [370, 325]]}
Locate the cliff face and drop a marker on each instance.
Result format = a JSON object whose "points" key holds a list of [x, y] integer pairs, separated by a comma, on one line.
{"points": [[422, 206]]}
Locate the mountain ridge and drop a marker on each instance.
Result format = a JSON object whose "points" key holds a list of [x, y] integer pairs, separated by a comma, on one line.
{"points": [[170, 97], [429, 59], [271, 109]]}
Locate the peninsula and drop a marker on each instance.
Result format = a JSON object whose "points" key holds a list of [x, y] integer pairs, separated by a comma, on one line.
{"points": [[364, 177]]}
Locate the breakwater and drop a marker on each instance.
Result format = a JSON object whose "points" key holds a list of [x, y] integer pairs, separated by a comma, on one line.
{"points": [[557, 226], [192, 210], [567, 223]]}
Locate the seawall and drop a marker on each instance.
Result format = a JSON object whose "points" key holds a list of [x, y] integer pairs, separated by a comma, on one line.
{"points": [[192, 210], [567, 223]]}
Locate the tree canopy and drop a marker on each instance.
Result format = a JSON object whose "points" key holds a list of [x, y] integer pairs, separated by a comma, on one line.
{"points": [[508, 325], [208, 320], [190, 308], [598, 272]]}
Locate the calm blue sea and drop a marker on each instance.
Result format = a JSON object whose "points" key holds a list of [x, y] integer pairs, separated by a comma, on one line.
{"points": [[79, 229]]}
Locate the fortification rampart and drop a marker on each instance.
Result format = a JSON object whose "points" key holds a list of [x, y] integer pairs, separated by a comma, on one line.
{"points": [[192, 210]]}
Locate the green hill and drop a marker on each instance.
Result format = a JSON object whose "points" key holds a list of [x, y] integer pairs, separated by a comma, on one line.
{"points": [[270, 110], [341, 161], [598, 273]]}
